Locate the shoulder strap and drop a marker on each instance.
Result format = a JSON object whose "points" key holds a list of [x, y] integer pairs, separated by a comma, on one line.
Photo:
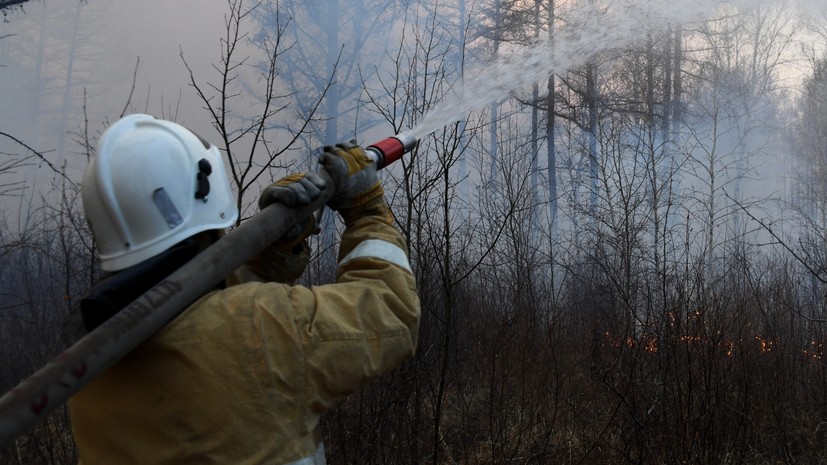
{"points": [[116, 291]]}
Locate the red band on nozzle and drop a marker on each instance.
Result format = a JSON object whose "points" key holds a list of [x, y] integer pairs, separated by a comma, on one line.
{"points": [[392, 148]]}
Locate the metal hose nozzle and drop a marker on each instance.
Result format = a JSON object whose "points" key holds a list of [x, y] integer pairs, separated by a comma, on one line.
{"points": [[391, 149]]}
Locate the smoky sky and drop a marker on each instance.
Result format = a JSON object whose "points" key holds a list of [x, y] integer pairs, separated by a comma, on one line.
{"points": [[96, 45], [107, 40], [71, 68]]}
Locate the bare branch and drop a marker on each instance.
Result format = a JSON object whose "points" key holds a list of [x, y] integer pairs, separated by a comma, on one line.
{"points": [[34, 152], [132, 89]]}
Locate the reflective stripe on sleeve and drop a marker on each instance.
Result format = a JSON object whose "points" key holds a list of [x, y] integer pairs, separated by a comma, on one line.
{"points": [[316, 459], [380, 249]]}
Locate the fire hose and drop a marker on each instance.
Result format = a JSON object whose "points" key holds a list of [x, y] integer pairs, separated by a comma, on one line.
{"points": [[51, 386]]}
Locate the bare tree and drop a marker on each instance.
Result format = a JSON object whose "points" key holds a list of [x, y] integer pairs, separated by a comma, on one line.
{"points": [[255, 138], [44, 265], [55, 57]]}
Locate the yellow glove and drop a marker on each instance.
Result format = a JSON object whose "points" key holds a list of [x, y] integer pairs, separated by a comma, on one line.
{"points": [[294, 191], [285, 260], [358, 190]]}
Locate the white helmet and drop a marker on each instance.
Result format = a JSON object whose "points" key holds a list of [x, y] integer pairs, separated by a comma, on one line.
{"points": [[153, 184]]}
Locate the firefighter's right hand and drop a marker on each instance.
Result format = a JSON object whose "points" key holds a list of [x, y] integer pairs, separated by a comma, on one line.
{"points": [[358, 190], [287, 257], [294, 191]]}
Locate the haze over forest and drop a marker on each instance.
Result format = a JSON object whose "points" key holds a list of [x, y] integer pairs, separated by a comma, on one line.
{"points": [[617, 213]]}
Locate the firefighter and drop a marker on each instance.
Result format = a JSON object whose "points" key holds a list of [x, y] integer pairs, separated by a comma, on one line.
{"points": [[243, 375]]}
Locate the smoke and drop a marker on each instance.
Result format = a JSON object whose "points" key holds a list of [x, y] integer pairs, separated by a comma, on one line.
{"points": [[590, 28], [70, 67], [43, 104]]}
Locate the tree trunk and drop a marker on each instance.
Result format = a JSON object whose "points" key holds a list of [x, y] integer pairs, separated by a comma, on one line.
{"points": [[551, 145], [591, 105]]}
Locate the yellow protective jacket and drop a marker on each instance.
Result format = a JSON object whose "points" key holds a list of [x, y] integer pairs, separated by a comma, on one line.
{"points": [[243, 375]]}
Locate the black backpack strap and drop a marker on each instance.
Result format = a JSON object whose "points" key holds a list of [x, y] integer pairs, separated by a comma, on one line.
{"points": [[118, 290]]}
